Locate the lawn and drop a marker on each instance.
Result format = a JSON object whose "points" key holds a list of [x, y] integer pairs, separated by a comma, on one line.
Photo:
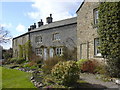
{"points": [[12, 78]]}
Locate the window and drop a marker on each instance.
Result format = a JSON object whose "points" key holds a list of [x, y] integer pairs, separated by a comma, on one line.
{"points": [[39, 51], [38, 39], [95, 11], [56, 36], [96, 45], [59, 51]]}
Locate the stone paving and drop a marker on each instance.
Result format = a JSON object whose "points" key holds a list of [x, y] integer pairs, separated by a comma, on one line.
{"points": [[98, 83]]}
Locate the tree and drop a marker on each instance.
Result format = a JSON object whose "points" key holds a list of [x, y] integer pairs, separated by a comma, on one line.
{"points": [[4, 38], [109, 33]]}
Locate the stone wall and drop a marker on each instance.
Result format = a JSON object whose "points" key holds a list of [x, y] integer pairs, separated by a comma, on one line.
{"points": [[67, 37], [19, 41], [86, 32]]}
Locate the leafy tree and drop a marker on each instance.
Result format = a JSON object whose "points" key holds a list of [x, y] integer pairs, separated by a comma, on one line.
{"points": [[109, 33]]}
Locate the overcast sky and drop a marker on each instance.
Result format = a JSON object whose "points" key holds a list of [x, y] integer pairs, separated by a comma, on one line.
{"points": [[18, 16]]}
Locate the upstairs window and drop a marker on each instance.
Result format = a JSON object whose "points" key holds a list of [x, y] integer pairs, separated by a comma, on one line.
{"points": [[95, 11], [59, 52], [96, 45], [38, 39], [39, 51], [56, 36]]}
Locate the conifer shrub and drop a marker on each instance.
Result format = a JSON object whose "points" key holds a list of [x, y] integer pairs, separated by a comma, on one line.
{"points": [[66, 73], [109, 34]]}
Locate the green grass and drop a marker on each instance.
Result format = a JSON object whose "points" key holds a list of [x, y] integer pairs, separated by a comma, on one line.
{"points": [[12, 78]]}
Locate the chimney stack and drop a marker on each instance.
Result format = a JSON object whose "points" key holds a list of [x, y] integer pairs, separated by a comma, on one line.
{"points": [[49, 19], [40, 23], [29, 29], [34, 25]]}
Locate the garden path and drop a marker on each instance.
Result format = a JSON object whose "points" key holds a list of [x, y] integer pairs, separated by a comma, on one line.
{"points": [[97, 83]]}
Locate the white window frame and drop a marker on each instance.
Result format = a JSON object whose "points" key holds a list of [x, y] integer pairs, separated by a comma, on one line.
{"points": [[59, 51], [95, 12], [96, 45], [39, 51]]}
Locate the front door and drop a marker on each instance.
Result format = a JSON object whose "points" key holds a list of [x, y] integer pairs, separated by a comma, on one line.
{"points": [[45, 54], [83, 51], [51, 52]]}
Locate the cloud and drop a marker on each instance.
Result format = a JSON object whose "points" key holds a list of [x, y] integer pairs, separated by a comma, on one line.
{"points": [[59, 9], [20, 28], [6, 25]]}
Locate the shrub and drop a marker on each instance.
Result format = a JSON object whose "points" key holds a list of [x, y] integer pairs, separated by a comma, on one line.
{"points": [[66, 73], [49, 63], [80, 62], [70, 54], [109, 34], [20, 60], [89, 66], [113, 69], [100, 69], [26, 65], [13, 60]]}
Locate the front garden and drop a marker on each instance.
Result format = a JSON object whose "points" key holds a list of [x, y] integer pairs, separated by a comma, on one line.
{"points": [[51, 73]]}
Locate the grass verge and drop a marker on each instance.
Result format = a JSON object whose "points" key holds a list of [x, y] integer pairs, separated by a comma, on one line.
{"points": [[12, 78]]}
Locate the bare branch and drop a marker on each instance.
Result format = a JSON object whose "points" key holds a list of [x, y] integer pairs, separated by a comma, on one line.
{"points": [[4, 35]]}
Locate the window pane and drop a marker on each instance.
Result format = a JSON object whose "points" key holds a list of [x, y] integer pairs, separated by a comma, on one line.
{"points": [[97, 44]]}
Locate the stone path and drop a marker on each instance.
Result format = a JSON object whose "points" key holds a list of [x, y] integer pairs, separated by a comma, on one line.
{"points": [[91, 78]]}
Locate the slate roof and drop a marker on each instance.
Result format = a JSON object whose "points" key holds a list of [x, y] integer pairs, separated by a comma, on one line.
{"points": [[55, 24]]}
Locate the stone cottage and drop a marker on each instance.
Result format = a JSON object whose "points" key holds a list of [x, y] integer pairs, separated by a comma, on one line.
{"points": [[87, 37], [80, 32], [49, 40]]}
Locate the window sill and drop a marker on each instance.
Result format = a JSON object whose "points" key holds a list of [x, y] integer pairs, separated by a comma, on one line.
{"points": [[56, 40], [95, 56]]}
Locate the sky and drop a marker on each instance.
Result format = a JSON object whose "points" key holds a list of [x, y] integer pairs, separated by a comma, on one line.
{"points": [[17, 15]]}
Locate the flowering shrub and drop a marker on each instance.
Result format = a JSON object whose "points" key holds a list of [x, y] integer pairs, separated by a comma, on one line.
{"points": [[89, 66], [66, 72]]}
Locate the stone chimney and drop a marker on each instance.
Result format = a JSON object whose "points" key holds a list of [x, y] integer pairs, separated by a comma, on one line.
{"points": [[40, 23], [49, 19], [29, 29], [34, 25]]}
